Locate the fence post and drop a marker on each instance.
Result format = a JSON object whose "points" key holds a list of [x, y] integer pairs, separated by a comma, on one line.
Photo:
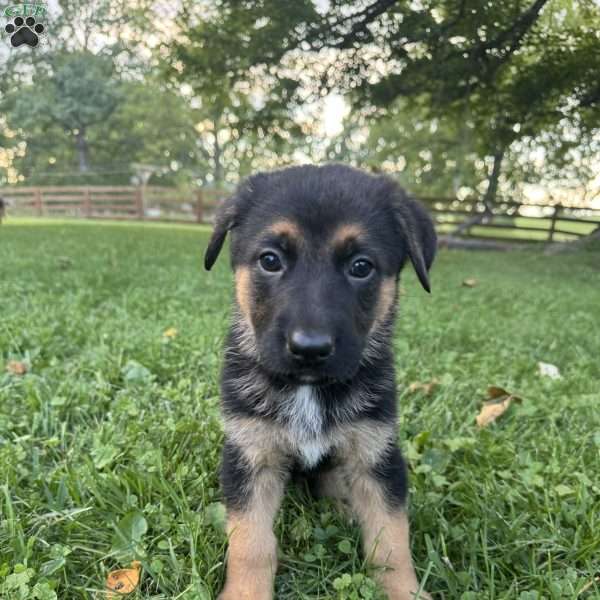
{"points": [[139, 202], [557, 208], [38, 202], [199, 207], [87, 203]]}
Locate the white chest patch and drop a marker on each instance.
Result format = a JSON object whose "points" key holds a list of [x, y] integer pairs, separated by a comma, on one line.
{"points": [[306, 425]]}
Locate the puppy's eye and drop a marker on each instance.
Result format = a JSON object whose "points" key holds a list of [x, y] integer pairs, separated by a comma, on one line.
{"points": [[361, 268], [269, 261]]}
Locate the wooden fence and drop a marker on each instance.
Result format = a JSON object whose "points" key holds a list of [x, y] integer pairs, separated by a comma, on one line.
{"points": [[506, 221], [112, 202], [512, 221]]}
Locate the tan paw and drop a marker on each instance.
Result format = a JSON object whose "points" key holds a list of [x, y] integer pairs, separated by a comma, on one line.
{"points": [[402, 588], [245, 592]]}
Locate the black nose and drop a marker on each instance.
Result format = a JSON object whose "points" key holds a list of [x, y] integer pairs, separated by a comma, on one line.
{"points": [[310, 346]]}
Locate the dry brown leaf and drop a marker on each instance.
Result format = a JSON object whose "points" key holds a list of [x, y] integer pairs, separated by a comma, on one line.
{"points": [[495, 392], [470, 282], [171, 332], [497, 405], [16, 367], [123, 581], [426, 388]]}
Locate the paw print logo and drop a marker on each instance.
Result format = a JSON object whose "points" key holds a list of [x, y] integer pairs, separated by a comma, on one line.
{"points": [[24, 31]]}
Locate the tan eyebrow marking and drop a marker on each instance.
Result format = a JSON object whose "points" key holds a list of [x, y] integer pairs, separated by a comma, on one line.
{"points": [[285, 227], [346, 233]]}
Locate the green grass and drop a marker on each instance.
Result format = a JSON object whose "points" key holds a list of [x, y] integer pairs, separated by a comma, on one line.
{"points": [[109, 446]]}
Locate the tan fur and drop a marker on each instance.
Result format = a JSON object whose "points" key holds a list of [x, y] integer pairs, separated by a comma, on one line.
{"points": [[287, 228], [385, 538], [386, 299], [345, 233], [264, 443], [252, 553], [243, 292]]}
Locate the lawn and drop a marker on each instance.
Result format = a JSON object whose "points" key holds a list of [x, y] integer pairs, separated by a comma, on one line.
{"points": [[109, 444]]}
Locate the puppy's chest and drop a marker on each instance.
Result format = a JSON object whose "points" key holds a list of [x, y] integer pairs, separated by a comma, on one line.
{"points": [[305, 424]]}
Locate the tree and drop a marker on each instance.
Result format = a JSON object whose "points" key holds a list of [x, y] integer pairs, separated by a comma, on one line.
{"points": [[79, 91], [506, 70], [151, 125], [212, 58], [72, 84]]}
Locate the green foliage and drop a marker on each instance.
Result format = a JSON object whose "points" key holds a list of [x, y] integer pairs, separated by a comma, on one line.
{"points": [[243, 126], [77, 92], [151, 125], [492, 77], [109, 445]]}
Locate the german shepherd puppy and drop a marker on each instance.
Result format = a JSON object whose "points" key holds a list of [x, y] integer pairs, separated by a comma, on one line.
{"points": [[308, 377]]}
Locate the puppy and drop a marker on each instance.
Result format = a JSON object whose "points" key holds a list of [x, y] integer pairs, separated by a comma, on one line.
{"points": [[308, 377]]}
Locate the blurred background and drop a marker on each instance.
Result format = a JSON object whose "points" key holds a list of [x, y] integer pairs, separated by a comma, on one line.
{"points": [[147, 109]]}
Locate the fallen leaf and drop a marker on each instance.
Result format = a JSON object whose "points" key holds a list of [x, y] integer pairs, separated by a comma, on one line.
{"points": [[17, 367], [497, 405], [123, 581], [492, 410], [426, 388], [494, 392], [548, 370], [170, 333], [470, 282]]}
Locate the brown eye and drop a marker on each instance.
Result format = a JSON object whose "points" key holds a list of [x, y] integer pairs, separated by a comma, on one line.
{"points": [[361, 268], [270, 262]]}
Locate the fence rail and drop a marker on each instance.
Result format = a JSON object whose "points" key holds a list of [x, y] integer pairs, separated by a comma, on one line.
{"points": [[507, 220], [112, 202]]}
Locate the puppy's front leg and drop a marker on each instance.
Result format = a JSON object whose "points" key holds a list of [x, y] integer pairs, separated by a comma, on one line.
{"points": [[253, 494], [378, 497]]}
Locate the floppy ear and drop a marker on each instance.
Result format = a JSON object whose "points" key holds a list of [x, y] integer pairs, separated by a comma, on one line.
{"points": [[419, 232], [230, 214], [224, 221]]}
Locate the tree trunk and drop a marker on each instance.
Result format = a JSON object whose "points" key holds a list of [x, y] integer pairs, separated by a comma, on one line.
{"points": [[217, 158], [489, 197], [82, 150], [490, 194]]}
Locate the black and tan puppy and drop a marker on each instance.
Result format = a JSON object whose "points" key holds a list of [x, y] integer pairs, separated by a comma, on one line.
{"points": [[308, 380]]}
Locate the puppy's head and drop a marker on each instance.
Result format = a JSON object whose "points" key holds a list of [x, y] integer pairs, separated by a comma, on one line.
{"points": [[317, 252]]}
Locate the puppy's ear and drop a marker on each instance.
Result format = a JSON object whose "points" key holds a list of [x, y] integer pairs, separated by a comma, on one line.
{"points": [[420, 236], [224, 221], [230, 214]]}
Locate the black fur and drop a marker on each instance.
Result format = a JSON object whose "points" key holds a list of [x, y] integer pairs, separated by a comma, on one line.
{"points": [[390, 471], [315, 291], [236, 476]]}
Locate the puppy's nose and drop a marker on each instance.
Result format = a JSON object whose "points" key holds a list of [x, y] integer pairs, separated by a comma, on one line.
{"points": [[312, 346]]}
